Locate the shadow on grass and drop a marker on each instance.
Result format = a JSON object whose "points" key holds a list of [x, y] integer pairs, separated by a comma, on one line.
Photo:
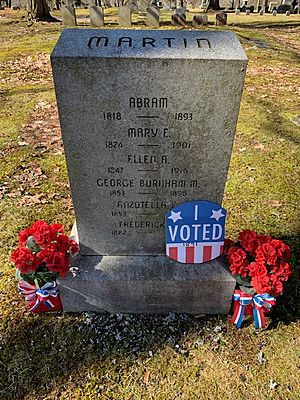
{"points": [[256, 25], [28, 89], [287, 308], [275, 124], [40, 353]]}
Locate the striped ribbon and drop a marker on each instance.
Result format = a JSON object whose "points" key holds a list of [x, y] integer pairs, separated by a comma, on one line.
{"points": [[261, 303], [38, 296]]}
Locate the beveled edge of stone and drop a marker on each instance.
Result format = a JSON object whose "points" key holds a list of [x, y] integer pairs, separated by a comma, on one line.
{"points": [[224, 45], [146, 285]]}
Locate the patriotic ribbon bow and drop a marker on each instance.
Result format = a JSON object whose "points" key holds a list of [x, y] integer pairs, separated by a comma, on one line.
{"points": [[37, 296], [260, 303]]}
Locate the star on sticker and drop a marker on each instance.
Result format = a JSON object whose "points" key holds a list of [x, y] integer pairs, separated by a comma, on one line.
{"points": [[217, 214], [175, 216]]}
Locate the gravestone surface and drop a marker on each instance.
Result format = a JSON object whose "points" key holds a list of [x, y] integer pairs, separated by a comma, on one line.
{"points": [[68, 15], [181, 10], [143, 5], [152, 17], [199, 20], [178, 19], [124, 16], [138, 142], [221, 18], [96, 15]]}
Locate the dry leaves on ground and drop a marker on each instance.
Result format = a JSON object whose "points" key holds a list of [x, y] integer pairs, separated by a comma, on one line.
{"points": [[42, 130], [27, 70]]}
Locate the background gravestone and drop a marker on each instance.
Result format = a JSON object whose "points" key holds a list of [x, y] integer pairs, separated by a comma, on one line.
{"points": [[138, 142], [124, 16], [152, 17], [143, 5], [221, 19], [68, 15], [96, 16], [178, 19], [199, 20]]}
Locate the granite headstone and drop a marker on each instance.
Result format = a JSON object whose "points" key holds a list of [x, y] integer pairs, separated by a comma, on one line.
{"points": [[138, 142], [152, 17], [143, 5], [96, 15], [221, 18], [178, 19], [124, 16], [200, 19], [68, 15]]}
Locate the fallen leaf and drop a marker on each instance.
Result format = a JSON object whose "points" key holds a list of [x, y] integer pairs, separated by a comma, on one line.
{"points": [[32, 200], [147, 376], [259, 146], [274, 203]]}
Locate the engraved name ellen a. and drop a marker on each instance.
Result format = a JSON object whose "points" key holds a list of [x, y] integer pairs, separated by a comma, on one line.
{"points": [[127, 41]]}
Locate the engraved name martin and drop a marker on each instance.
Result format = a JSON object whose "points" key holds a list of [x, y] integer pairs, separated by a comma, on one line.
{"points": [[105, 41]]}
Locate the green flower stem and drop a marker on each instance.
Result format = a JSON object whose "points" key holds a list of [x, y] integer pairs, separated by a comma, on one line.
{"points": [[37, 284]]}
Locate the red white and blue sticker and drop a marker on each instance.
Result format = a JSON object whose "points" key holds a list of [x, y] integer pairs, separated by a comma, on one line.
{"points": [[195, 232]]}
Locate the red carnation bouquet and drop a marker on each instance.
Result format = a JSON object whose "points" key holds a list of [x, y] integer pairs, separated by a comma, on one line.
{"points": [[43, 254], [259, 265]]}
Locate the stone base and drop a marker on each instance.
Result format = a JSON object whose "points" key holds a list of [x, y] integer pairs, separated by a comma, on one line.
{"points": [[146, 285]]}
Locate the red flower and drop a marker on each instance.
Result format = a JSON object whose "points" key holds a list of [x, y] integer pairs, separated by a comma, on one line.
{"points": [[282, 250], [74, 248], [284, 271], [41, 256], [56, 229], [276, 285], [41, 233], [257, 269], [269, 253], [237, 261], [23, 236], [249, 241], [23, 259], [259, 256], [63, 243], [260, 284], [57, 262]]}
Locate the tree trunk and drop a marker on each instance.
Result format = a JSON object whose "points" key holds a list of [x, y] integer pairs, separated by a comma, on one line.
{"points": [[214, 5], [39, 10]]}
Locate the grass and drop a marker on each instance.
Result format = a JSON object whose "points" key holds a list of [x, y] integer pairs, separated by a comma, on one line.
{"points": [[91, 356]]}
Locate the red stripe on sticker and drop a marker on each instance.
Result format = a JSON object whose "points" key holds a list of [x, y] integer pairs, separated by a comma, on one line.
{"points": [[173, 253], [221, 249], [189, 254], [207, 253]]}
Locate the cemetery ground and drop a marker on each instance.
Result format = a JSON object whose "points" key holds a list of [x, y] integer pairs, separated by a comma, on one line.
{"points": [[91, 356]]}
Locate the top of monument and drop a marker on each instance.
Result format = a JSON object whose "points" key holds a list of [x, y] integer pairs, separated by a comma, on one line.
{"points": [[162, 44]]}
